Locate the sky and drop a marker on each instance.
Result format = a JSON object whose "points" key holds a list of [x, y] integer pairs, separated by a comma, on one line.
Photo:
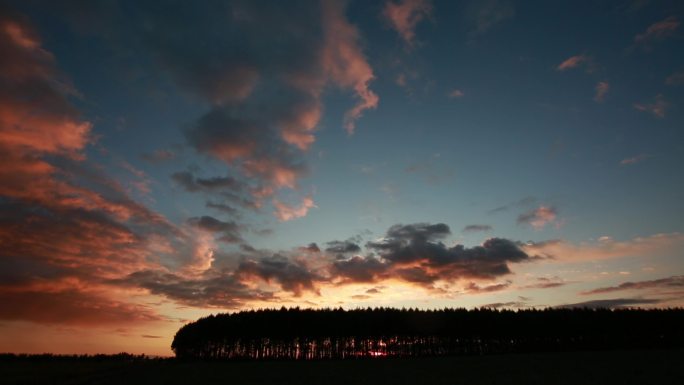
{"points": [[163, 161]]}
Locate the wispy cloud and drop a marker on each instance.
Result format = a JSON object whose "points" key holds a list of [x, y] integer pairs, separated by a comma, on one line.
{"points": [[607, 248], [676, 79], [602, 89], [674, 282], [657, 31], [485, 14], [405, 15], [657, 108], [614, 303], [477, 228], [576, 61], [633, 160], [285, 212], [539, 217], [456, 93]]}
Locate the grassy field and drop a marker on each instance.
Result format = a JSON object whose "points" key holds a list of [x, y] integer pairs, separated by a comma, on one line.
{"points": [[606, 367]]}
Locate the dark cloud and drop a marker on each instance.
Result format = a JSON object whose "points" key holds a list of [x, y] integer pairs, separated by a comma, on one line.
{"points": [[229, 232], [212, 288], [419, 243], [613, 303], [71, 307], [676, 282], [290, 275], [360, 269], [512, 304], [310, 248], [474, 288], [477, 228], [546, 283], [342, 247], [375, 290], [190, 183], [224, 208]]}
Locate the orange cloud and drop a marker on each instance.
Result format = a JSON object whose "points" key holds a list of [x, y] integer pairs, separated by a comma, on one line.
{"points": [[286, 212], [573, 62], [658, 31], [405, 15], [657, 108], [344, 62], [608, 248], [539, 217]]}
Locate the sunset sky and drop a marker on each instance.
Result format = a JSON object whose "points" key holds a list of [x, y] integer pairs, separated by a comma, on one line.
{"points": [[166, 160]]}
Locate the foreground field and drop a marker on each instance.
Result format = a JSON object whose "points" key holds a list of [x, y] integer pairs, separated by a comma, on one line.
{"points": [[606, 367]]}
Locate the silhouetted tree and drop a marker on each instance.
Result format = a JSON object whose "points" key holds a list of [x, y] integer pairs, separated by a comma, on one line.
{"points": [[307, 334]]}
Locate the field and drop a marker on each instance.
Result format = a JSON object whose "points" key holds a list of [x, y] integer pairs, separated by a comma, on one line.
{"points": [[605, 367]]}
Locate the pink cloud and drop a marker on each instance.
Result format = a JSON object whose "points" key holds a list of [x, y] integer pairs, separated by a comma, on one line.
{"points": [[602, 89], [539, 217], [456, 93], [405, 15], [286, 212], [344, 62], [633, 160], [658, 31], [608, 248], [573, 62], [657, 108]]}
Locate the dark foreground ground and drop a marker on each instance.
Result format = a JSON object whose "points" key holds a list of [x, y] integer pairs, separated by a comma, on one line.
{"points": [[606, 367]]}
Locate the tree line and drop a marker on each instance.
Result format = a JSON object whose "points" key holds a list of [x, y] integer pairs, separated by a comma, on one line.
{"points": [[308, 334]]}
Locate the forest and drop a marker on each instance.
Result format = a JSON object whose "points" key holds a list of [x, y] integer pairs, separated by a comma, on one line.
{"points": [[308, 334]]}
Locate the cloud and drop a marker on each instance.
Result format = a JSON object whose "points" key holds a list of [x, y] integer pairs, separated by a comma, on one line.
{"points": [[477, 228], [512, 304], [613, 303], [418, 245], [229, 232], [263, 95], [676, 79], [360, 269], [601, 91], [607, 248], [524, 202], [344, 62], [658, 31], [657, 108], [342, 247], [633, 160], [405, 15], [71, 307], [211, 289], [286, 212], [546, 283], [65, 226], [291, 276], [456, 93], [473, 288], [576, 61], [540, 217], [676, 281], [484, 15], [226, 192]]}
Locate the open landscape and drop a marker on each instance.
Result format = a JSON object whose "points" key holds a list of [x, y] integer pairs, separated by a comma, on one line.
{"points": [[341, 192], [619, 367]]}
